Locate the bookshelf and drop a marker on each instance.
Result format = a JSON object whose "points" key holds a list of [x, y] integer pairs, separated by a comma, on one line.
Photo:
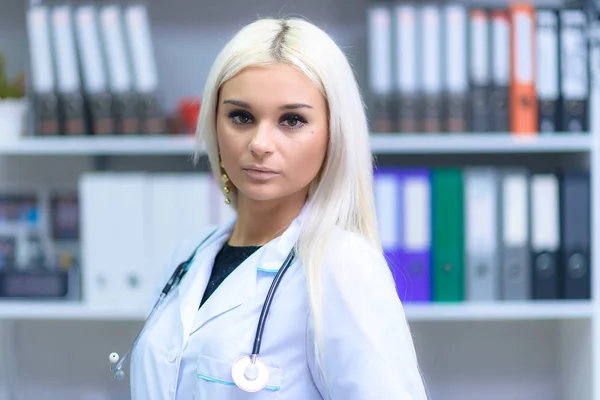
{"points": [[550, 310], [388, 143], [536, 350]]}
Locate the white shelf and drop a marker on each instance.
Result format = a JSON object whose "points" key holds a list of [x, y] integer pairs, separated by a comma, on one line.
{"points": [[107, 145], [381, 144], [59, 310], [539, 310], [557, 310], [479, 143]]}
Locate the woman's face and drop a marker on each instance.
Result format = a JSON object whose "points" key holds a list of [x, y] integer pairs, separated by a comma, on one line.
{"points": [[272, 131]]}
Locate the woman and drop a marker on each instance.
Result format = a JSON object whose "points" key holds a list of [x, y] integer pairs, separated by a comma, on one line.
{"points": [[285, 131]]}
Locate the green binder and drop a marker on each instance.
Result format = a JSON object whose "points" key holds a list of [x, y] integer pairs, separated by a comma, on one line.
{"points": [[447, 219]]}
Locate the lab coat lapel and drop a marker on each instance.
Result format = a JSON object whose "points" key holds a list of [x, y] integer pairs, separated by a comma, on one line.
{"points": [[236, 289], [191, 288]]}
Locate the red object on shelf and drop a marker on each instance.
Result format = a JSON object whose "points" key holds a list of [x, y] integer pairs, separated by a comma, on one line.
{"points": [[189, 110]]}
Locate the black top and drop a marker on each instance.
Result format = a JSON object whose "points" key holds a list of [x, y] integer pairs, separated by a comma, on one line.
{"points": [[226, 261]]}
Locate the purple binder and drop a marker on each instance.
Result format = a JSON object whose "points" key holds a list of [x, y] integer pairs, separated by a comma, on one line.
{"points": [[410, 266]]}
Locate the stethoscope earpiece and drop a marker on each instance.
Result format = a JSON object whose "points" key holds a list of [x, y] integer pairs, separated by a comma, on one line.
{"points": [[113, 358], [115, 367]]}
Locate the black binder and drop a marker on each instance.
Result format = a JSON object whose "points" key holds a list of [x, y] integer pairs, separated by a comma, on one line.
{"points": [[576, 230], [548, 90], [574, 70], [545, 223]]}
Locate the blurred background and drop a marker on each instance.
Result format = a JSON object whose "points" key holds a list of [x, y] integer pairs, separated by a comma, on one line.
{"points": [[485, 121]]}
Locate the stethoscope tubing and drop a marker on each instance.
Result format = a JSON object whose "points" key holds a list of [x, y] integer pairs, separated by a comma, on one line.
{"points": [[268, 300]]}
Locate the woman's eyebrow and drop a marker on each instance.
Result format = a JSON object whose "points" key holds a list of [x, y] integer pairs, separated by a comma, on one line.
{"points": [[238, 103], [294, 106], [243, 104]]}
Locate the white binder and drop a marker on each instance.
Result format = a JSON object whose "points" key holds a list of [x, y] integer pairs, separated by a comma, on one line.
{"points": [[430, 50], [381, 84], [481, 230], [70, 100], [515, 242], [547, 77], [40, 50], [42, 71], [114, 241], [456, 84]]}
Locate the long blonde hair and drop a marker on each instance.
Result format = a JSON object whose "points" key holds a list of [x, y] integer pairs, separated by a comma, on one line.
{"points": [[342, 195]]}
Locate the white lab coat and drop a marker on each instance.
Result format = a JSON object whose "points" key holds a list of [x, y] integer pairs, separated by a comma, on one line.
{"points": [[368, 353]]}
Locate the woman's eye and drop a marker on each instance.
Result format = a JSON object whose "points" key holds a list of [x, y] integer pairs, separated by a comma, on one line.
{"points": [[293, 121], [240, 118]]}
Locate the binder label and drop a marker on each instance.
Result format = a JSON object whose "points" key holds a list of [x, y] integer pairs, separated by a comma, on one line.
{"points": [[380, 46], [406, 49], [514, 210], [456, 79], [479, 48], [41, 59], [480, 211], [501, 50], [547, 50], [431, 50], [141, 48], [114, 42], [91, 54], [524, 61], [386, 195], [574, 56], [545, 213], [417, 224], [67, 70]]}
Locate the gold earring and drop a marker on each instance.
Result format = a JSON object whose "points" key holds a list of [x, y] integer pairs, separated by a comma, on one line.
{"points": [[225, 180]]}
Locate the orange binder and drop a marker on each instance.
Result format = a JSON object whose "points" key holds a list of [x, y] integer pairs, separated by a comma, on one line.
{"points": [[523, 97]]}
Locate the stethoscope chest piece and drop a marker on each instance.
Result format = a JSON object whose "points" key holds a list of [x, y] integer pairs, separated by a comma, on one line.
{"points": [[248, 375]]}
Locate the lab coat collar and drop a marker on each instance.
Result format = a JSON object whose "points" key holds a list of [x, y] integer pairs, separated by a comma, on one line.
{"points": [[275, 252], [241, 285]]}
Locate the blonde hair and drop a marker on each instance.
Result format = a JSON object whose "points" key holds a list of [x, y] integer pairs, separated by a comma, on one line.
{"points": [[342, 194]]}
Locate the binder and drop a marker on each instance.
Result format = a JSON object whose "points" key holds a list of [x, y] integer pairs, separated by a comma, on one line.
{"points": [[407, 68], [114, 237], [574, 70], [455, 71], [547, 81], [447, 234], [380, 67], [500, 51], [120, 81], [523, 98], [481, 233], [145, 79], [545, 235], [70, 100], [389, 200], [479, 69], [430, 50], [515, 243], [44, 99], [415, 234], [97, 98], [575, 235]]}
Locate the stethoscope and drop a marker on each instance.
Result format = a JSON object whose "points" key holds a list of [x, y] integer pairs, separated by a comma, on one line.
{"points": [[249, 373]]}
